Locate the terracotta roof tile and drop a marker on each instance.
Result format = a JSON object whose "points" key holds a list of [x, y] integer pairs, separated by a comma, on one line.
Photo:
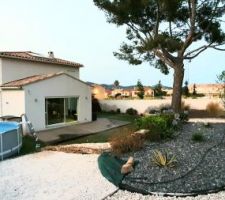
{"points": [[29, 80], [35, 57]]}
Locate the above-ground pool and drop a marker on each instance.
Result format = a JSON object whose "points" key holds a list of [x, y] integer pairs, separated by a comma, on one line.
{"points": [[10, 139]]}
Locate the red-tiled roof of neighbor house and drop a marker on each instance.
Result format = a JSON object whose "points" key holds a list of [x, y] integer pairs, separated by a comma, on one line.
{"points": [[208, 85], [35, 57], [33, 79]]}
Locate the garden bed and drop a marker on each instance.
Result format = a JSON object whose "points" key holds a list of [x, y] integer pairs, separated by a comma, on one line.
{"points": [[200, 166]]}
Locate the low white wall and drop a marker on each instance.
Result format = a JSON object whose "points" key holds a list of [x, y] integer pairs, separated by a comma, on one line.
{"points": [[143, 106]]}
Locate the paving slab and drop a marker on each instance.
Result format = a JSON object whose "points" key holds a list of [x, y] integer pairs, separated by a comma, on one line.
{"points": [[56, 135]]}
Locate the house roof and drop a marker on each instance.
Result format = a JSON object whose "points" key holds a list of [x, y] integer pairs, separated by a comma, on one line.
{"points": [[33, 79], [35, 57]]}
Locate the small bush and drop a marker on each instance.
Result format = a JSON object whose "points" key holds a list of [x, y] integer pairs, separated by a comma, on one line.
{"points": [[118, 95], [214, 109], [95, 105], [207, 125], [126, 143], [197, 137], [131, 111], [118, 111], [184, 116], [165, 107], [112, 111], [160, 126], [185, 106], [153, 111], [162, 159]]}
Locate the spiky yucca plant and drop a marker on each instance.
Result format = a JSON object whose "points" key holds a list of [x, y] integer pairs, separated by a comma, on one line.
{"points": [[162, 159]]}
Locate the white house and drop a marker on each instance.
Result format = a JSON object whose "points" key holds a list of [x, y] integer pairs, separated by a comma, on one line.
{"points": [[47, 89]]}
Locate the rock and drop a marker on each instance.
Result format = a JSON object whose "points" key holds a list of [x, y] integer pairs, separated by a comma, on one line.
{"points": [[128, 166], [142, 133], [85, 148]]}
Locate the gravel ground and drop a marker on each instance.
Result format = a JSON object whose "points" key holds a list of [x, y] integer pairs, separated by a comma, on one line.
{"points": [[200, 166], [53, 175], [125, 195], [195, 162]]}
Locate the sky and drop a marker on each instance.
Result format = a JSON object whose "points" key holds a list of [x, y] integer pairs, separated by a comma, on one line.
{"points": [[77, 30]]}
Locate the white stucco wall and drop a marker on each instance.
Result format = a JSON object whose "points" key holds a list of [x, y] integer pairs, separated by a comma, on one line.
{"points": [[13, 102], [60, 86], [13, 69], [143, 106]]}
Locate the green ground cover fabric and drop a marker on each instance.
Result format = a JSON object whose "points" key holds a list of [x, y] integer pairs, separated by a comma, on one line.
{"points": [[110, 167]]}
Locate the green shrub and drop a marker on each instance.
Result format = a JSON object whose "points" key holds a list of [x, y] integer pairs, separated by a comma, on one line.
{"points": [[165, 107], [131, 111], [197, 137], [160, 126], [118, 110], [184, 116], [95, 105]]}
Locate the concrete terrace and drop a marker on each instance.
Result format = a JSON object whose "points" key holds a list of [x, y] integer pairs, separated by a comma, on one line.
{"points": [[57, 135]]}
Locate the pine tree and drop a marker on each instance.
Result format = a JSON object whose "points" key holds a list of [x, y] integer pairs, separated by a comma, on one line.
{"points": [[140, 89], [185, 89], [167, 33], [158, 90], [194, 90], [116, 83]]}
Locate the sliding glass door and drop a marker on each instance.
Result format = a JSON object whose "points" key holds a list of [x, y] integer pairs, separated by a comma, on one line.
{"points": [[61, 110]]}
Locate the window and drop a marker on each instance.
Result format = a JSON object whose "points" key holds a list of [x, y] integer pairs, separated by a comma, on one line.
{"points": [[61, 110]]}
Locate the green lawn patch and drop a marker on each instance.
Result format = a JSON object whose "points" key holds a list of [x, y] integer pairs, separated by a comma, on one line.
{"points": [[29, 145], [118, 116], [103, 136]]}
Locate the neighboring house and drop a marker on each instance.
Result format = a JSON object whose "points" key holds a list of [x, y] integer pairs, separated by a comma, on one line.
{"points": [[115, 92], [132, 92], [108, 93], [149, 92], [209, 90], [45, 88], [99, 91], [126, 93]]}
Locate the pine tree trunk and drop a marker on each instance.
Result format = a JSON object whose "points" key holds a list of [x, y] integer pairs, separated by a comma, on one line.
{"points": [[177, 88]]}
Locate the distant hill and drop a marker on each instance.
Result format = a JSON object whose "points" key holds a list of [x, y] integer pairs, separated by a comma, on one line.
{"points": [[111, 86], [163, 87]]}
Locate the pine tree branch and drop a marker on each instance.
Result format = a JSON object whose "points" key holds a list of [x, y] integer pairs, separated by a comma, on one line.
{"points": [[162, 57], [192, 14], [156, 29], [201, 49], [196, 50]]}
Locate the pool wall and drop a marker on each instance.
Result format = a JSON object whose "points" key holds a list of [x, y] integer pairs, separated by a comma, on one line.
{"points": [[10, 142]]}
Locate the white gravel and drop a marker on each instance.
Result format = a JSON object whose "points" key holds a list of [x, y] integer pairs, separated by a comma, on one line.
{"points": [[53, 175], [125, 195], [209, 120]]}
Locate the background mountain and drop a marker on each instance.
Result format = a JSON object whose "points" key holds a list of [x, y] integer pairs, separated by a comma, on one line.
{"points": [[111, 86]]}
